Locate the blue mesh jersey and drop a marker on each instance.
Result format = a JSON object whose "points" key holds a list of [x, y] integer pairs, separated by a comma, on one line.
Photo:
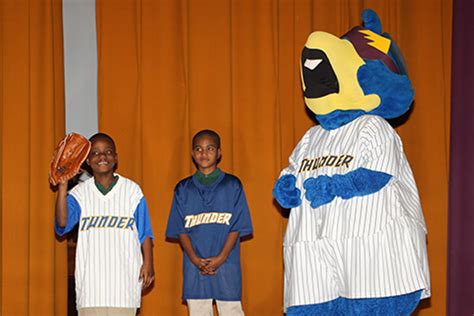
{"points": [[208, 213]]}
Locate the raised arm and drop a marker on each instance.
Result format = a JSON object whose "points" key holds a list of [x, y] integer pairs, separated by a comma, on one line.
{"points": [[67, 211], [61, 205]]}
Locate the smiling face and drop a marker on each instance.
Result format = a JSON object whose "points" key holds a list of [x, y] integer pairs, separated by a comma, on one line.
{"points": [[206, 153], [102, 157]]}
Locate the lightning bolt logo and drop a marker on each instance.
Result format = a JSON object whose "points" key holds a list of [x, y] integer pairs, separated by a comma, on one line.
{"points": [[379, 42]]}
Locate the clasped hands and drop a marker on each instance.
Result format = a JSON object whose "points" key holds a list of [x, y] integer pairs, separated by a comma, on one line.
{"points": [[208, 266]]}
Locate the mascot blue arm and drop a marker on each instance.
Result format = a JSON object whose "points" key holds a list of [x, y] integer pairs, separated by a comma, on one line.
{"points": [[360, 182], [324, 189]]}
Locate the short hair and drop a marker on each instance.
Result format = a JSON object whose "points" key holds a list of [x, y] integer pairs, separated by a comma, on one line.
{"points": [[103, 136], [207, 132]]}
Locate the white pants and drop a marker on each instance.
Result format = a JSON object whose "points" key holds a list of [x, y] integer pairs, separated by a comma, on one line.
{"points": [[107, 311], [204, 308]]}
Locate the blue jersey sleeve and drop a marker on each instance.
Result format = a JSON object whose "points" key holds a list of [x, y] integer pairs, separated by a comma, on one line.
{"points": [[142, 220], [242, 222], [175, 220], [73, 216]]}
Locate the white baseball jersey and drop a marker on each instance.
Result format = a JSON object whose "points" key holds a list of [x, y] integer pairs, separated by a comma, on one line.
{"points": [[370, 246], [108, 255]]}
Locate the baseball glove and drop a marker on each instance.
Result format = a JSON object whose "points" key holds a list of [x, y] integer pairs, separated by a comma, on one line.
{"points": [[68, 157]]}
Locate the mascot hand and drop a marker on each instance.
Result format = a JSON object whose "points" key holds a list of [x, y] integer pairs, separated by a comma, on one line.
{"points": [[319, 191], [286, 192]]}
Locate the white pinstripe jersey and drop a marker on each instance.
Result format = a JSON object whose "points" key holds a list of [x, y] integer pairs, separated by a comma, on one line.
{"points": [[108, 255], [370, 246]]}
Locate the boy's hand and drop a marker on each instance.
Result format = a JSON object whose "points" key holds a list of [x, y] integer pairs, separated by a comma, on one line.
{"points": [[147, 275], [203, 265], [200, 263], [213, 263]]}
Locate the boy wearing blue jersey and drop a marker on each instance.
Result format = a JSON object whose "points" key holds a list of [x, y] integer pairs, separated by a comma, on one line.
{"points": [[209, 215], [114, 258]]}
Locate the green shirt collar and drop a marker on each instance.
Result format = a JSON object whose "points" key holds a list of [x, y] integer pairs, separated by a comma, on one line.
{"points": [[210, 178], [103, 190]]}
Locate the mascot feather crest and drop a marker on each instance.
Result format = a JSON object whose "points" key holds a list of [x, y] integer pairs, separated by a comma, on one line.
{"points": [[355, 240]]}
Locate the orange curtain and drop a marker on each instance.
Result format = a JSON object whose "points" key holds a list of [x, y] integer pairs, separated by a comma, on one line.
{"points": [[170, 68], [33, 264]]}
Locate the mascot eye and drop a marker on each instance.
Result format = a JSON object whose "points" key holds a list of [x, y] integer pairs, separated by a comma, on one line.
{"points": [[311, 64]]}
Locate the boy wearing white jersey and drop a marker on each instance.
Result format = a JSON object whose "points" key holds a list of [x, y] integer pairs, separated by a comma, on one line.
{"points": [[114, 258]]}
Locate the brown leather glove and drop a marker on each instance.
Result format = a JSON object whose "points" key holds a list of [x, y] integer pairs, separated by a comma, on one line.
{"points": [[68, 157]]}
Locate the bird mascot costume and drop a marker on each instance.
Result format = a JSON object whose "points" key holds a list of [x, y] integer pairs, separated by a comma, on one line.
{"points": [[355, 241]]}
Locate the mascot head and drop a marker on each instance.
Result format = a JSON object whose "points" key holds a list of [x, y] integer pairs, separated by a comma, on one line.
{"points": [[363, 72]]}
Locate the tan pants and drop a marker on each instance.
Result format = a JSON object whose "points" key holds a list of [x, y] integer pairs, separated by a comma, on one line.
{"points": [[107, 311], [224, 308]]}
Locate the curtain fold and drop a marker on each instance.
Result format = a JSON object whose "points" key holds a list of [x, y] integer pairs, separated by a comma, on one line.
{"points": [[33, 274]]}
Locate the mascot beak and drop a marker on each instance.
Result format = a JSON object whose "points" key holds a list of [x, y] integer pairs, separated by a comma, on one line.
{"points": [[318, 76], [329, 68]]}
